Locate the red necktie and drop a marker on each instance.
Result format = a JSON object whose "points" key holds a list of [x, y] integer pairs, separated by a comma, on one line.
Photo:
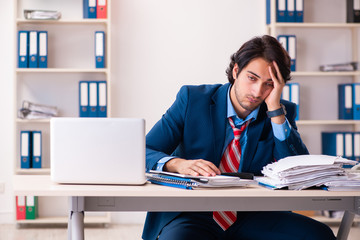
{"points": [[230, 162]]}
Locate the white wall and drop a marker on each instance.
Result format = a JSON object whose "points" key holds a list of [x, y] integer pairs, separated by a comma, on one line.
{"points": [[157, 46]]}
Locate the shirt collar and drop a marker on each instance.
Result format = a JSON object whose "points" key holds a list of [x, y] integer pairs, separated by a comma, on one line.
{"points": [[231, 112]]}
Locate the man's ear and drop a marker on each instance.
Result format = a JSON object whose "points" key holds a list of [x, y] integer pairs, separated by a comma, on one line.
{"points": [[235, 71]]}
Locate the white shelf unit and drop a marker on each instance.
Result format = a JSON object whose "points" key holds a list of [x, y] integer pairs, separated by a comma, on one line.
{"points": [[70, 59], [322, 116]]}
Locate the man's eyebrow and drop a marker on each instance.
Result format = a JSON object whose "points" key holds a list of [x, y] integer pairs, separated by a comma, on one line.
{"points": [[258, 75], [254, 74]]}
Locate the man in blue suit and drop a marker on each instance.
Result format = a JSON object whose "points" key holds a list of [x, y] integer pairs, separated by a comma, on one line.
{"points": [[191, 138]]}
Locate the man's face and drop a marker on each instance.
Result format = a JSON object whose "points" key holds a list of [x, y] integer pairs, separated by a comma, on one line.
{"points": [[251, 87]]}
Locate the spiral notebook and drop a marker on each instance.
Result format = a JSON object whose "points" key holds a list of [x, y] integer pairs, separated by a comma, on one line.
{"points": [[191, 182]]}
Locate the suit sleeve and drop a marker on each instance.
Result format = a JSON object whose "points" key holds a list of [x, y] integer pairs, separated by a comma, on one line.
{"points": [[292, 145], [167, 133]]}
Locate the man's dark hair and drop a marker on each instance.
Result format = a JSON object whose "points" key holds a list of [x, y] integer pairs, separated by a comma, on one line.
{"points": [[266, 47]]}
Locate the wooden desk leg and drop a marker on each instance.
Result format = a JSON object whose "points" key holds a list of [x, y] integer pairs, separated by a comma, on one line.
{"points": [[345, 225], [76, 218]]}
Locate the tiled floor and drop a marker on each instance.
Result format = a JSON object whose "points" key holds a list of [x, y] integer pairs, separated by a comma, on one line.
{"points": [[118, 232]]}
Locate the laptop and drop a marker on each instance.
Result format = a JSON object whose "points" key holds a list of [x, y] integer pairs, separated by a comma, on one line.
{"points": [[97, 150]]}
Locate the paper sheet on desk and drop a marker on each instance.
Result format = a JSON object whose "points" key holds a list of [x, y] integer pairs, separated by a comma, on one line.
{"points": [[305, 160]]}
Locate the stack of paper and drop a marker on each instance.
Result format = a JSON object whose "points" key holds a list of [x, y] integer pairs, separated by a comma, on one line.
{"points": [[31, 110], [351, 184], [191, 182], [304, 171], [41, 15]]}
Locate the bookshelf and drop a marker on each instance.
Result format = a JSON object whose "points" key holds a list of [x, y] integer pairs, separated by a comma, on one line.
{"points": [[71, 59], [317, 37]]}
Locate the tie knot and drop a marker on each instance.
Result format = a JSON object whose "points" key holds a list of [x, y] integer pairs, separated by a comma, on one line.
{"points": [[237, 131]]}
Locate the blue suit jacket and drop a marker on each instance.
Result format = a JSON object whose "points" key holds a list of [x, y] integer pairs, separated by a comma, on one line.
{"points": [[194, 127]]}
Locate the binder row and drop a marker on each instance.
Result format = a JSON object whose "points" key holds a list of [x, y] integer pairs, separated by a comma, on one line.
{"points": [[32, 49], [349, 101], [92, 99], [352, 11], [26, 207], [289, 43], [344, 144], [94, 9], [291, 92], [30, 149], [286, 11]]}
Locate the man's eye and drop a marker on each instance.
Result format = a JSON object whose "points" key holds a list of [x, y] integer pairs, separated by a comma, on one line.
{"points": [[252, 78], [270, 84]]}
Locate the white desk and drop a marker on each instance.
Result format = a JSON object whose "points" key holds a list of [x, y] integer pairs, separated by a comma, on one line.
{"points": [[160, 198]]}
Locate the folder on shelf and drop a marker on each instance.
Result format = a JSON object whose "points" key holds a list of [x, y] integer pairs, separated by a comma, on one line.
{"points": [[101, 9], [292, 51], [268, 11], [348, 145], [283, 41], [281, 10], [20, 208], [345, 108], [43, 48], [102, 103], [84, 107], [100, 49], [25, 149], [31, 207], [23, 49], [299, 11], [290, 16], [332, 143], [89, 8], [289, 44], [93, 99], [36, 149], [33, 49], [356, 101], [352, 11], [356, 141], [295, 97], [291, 92]]}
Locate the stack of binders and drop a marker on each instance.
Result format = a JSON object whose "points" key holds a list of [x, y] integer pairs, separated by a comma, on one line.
{"points": [[30, 149], [94, 9], [289, 44], [349, 101], [291, 92], [286, 11], [344, 144], [92, 99], [32, 49], [26, 207]]}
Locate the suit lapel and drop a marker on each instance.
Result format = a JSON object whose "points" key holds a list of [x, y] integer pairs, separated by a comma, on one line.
{"points": [[218, 110]]}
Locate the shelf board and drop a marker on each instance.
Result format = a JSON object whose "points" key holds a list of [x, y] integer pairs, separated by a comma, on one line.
{"points": [[319, 73], [327, 122], [33, 171], [64, 220], [63, 21], [61, 70], [315, 25], [42, 120]]}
